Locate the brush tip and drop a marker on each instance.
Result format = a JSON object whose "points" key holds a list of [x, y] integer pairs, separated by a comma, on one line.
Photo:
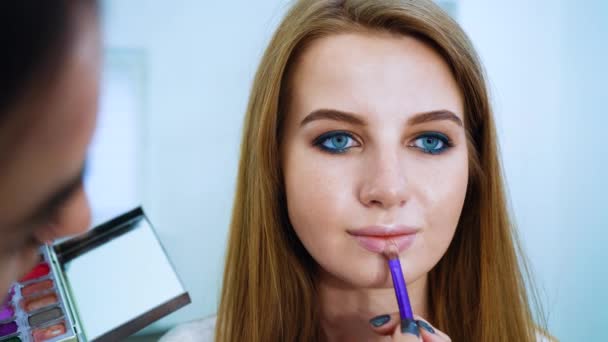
{"points": [[391, 251]]}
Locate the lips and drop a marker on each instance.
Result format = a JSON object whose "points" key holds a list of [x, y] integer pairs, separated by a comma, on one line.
{"points": [[375, 238]]}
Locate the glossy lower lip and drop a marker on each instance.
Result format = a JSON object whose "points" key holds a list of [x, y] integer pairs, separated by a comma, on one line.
{"points": [[377, 244]]}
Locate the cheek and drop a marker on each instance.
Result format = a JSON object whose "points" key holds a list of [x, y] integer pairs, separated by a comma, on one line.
{"points": [[82, 103], [321, 205], [444, 199], [317, 192]]}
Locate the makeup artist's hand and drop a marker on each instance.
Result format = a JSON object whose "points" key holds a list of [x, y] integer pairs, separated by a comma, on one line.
{"points": [[418, 330]]}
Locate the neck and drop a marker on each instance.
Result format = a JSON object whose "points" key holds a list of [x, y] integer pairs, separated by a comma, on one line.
{"points": [[345, 310]]}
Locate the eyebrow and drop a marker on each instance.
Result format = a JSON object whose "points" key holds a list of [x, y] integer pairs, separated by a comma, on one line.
{"points": [[435, 115], [351, 118], [57, 198], [335, 115]]}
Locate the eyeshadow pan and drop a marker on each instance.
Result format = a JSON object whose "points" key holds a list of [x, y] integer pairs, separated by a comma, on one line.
{"points": [[8, 329], [35, 303], [40, 270], [45, 316], [45, 334], [12, 339], [6, 312], [36, 287]]}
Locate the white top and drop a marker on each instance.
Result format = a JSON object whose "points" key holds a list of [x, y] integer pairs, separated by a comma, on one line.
{"points": [[202, 331]]}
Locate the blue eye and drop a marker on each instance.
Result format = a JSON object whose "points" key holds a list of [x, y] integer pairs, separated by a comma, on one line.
{"points": [[433, 143], [335, 142]]}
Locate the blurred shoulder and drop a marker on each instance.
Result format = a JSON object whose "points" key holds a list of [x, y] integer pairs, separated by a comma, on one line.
{"points": [[201, 330], [543, 337]]}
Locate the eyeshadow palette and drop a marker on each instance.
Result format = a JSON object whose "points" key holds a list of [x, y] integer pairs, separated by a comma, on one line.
{"points": [[35, 310], [89, 288]]}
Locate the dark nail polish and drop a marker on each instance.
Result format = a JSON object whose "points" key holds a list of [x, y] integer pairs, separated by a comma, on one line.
{"points": [[379, 321], [424, 325], [409, 326]]}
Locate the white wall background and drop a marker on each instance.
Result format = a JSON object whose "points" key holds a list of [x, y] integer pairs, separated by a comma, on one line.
{"points": [[546, 64], [546, 61], [200, 58], [114, 160]]}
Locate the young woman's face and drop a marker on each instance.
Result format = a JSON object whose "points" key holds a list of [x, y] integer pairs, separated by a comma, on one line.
{"points": [[374, 149], [43, 145]]}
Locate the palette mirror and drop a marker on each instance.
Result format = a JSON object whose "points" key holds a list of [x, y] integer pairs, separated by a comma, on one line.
{"points": [[132, 275]]}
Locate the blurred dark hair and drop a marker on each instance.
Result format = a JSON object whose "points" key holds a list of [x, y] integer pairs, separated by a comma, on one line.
{"points": [[34, 38]]}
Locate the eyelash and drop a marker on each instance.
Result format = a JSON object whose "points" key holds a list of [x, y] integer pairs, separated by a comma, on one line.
{"points": [[320, 141], [444, 139]]}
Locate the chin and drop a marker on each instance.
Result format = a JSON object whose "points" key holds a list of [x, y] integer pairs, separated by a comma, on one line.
{"points": [[370, 271], [375, 280]]}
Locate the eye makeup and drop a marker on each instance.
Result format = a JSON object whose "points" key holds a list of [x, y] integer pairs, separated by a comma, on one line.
{"points": [[89, 288], [339, 142], [34, 304], [433, 143], [37, 287], [335, 142], [40, 270]]}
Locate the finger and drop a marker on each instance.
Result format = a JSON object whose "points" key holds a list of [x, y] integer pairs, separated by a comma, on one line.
{"points": [[429, 333], [385, 324], [408, 331]]}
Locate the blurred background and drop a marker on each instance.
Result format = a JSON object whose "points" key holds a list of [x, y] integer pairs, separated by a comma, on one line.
{"points": [[176, 81]]}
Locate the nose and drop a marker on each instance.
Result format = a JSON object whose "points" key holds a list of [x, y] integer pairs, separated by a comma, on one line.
{"points": [[385, 183], [74, 216]]}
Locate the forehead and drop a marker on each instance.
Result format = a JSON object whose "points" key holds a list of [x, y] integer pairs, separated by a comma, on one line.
{"points": [[372, 72]]}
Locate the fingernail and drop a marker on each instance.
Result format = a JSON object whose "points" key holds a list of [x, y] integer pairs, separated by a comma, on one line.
{"points": [[409, 326], [424, 325], [379, 321]]}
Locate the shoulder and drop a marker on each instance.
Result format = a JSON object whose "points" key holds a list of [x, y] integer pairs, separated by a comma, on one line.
{"points": [[201, 330], [543, 337]]}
